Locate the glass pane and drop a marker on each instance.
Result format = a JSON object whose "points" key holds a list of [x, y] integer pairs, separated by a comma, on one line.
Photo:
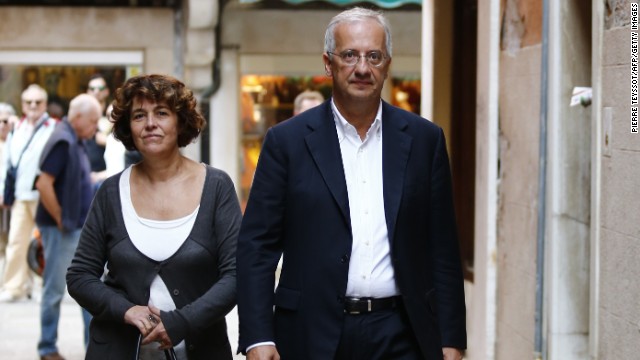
{"points": [[265, 101], [61, 82], [405, 93]]}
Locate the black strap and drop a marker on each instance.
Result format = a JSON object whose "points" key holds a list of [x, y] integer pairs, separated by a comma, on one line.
{"points": [[169, 354], [29, 141]]}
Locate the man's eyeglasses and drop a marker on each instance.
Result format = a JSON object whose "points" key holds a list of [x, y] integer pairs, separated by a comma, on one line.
{"points": [[97, 88], [29, 102], [351, 57]]}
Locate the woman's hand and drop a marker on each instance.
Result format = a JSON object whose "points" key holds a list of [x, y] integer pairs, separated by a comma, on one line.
{"points": [[159, 333], [142, 318]]}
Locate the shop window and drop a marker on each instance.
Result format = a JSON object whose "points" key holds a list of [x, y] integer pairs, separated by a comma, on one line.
{"points": [[62, 83], [405, 93], [267, 100]]}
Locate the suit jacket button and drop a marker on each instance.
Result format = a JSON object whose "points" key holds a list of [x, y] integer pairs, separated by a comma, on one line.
{"points": [[344, 259], [176, 292]]}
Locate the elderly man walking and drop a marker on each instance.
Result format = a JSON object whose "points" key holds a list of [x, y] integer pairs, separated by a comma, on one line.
{"points": [[65, 195], [23, 149]]}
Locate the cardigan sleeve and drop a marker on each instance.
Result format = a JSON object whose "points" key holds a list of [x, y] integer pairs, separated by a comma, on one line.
{"points": [[87, 267]]}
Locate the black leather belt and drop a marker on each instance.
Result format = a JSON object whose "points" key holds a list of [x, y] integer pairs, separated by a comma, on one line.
{"points": [[355, 306]]}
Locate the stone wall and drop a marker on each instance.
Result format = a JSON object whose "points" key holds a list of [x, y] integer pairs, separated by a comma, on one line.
{"points": [[91, 28], [619, 293], [519, 109], [517, 204]]}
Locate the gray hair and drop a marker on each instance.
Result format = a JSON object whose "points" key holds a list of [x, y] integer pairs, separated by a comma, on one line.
{"points": [[83, 104], [7, 108], [354, 15], [36, 87], [307, 94]]}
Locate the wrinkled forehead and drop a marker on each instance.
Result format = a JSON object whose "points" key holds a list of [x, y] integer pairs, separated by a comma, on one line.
{"points": [[34, 94], [360, 30]]}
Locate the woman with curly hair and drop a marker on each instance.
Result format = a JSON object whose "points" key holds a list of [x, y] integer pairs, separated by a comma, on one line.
{"points": [[166, 230]]}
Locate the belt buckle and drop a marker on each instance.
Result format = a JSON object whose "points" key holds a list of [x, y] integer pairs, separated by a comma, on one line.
{"points": [[355, 302]]}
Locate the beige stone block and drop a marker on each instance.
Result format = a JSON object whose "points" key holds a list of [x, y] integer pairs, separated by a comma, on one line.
{"points": [[619, 195], [519, 129], [202, 14], [518, 171], [619, 338], [301, 32], [622, 138], [517, 236], [616, 86], [159, 60], [524, 62], [510, 345], [151, 28], [619, 271], [515, 320], [407, 32], [85, 27], [616, 46], [616, 90], [200, 47], [198, 77]]}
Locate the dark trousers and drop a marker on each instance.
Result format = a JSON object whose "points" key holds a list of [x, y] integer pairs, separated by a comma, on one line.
{"points": [[379, 335]]}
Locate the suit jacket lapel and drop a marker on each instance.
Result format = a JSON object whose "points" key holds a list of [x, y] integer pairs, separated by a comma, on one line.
{"points": [[325, 151], [396, 145]]}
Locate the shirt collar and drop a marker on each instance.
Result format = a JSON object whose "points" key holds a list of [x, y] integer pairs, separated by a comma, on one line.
{"points": [[343, 126]]}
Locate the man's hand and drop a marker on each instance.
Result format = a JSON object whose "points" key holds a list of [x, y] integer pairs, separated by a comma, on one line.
{"points": [[263, 352], [451, 353]]}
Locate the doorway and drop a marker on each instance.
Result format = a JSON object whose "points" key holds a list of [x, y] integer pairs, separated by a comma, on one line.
{"points": [[463, 126]]}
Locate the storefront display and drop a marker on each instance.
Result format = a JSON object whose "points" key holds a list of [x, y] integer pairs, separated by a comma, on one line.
{"points": [[62, 83], [267, 100]]}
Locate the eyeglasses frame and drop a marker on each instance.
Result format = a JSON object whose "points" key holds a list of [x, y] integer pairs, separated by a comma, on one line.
{"points": [[365, 56]]}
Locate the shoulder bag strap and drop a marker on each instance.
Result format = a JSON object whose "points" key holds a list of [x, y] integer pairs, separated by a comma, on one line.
{"points": [[30, 138]]}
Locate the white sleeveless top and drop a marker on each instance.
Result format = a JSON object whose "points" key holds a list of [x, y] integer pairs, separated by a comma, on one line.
{"points": [[158, 240]]}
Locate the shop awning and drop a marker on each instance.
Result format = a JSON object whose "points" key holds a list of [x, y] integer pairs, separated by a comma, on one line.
{"points": [[386, 4]]}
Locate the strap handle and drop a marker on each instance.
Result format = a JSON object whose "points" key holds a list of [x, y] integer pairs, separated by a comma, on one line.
{"points": [[169, 354]]}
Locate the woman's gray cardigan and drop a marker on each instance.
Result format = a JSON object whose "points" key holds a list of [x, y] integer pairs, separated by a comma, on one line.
{"points": [[201, 275]]}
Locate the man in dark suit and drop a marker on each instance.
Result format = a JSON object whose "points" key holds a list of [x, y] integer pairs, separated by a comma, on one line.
{"points": [[356, 196]]}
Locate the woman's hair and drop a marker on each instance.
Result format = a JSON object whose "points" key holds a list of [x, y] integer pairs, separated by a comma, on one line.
{"points": [[354, 15], [161, 89]]}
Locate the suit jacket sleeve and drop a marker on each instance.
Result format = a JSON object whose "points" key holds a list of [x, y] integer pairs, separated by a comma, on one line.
{"points": [[447, 269], [259, 245]]}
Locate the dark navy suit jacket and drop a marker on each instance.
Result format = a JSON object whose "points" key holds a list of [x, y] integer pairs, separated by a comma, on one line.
{"points": [[299, 206]]}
